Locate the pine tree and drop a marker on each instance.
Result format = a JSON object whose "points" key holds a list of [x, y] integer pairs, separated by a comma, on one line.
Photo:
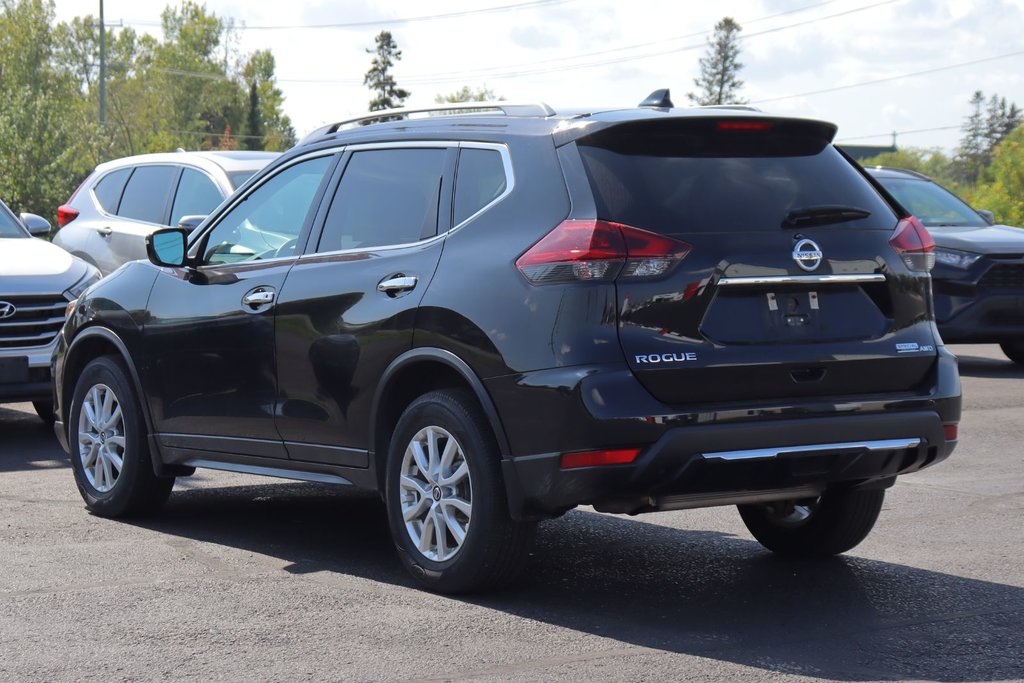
{"points": [[379, 78], [970, 155], [719, 81]]}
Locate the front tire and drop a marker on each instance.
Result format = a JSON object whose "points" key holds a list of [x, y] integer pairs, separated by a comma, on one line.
{"points": [[109, 454], [446, 500], [1014, 351], [44, 409], [829, 525]]}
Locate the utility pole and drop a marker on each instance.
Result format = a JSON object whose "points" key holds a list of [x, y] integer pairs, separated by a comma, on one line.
{"points": [[103, 68]]}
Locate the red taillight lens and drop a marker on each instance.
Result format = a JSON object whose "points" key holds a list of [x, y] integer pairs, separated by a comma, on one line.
{"points": [[593, 250], [950, 431], [912, 241], [621, 456], [744, 125], [65, 214]]}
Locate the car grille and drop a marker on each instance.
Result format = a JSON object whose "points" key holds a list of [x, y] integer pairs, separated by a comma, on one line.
{"points": [[1004, 276], [36, 321]]}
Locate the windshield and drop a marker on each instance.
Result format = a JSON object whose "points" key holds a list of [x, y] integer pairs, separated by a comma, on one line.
{"points": [[9, 226], [932, 204]]}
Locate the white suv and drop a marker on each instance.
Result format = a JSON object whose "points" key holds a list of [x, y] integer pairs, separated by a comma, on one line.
{"points": [[108, 217]]}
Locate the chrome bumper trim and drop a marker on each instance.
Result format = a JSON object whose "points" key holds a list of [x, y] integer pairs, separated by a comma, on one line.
{"points": [[801, 279], [764, 453]]}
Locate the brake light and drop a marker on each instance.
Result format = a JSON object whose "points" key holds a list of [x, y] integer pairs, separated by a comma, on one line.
{"points": [[744, 125], [912, 241], [66, 214], [621, 456], [950, 431], [599, 251]]}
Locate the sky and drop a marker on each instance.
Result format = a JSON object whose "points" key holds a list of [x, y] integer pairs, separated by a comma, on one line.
{"points": [[870, 66]]}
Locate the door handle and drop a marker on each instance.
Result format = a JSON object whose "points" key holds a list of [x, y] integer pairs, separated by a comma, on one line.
{"points": [[105, 231], [397, 284], [258, 298]]}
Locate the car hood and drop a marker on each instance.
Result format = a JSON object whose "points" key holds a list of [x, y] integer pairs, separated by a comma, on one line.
{"points": [[991, 239], [33, 266]]}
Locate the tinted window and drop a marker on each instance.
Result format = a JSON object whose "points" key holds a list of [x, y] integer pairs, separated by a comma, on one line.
{"points": [[268, 222], [678, 182], [934, 206], [387, 196], [145, 196], [238, 178], [197, 196], [480, 180], [108, 189], [8, 225]]}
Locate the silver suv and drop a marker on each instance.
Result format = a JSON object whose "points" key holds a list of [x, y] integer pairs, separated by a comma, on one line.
{"points": [[37, 280], [108, 217]]}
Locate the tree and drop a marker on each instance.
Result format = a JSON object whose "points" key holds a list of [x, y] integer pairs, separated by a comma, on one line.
{"points": [[934, 163], [719, 81], [467, 94], [983, 130], [265, 118], [379, 78], [1004, 193]]}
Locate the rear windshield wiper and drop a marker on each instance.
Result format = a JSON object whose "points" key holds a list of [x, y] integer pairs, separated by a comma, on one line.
{"points": [[823, 215]]}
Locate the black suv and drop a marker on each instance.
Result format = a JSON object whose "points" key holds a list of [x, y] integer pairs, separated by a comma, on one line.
{"points": [[496, 313]]}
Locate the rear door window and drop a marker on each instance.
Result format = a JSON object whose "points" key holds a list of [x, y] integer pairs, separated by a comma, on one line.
{"points": [[479, 181], [197, 195], [386, 197], [688, 179], [108, 190], [147, 194]]}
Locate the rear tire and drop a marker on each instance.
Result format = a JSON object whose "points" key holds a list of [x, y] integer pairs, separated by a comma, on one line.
{"points": [[829, 525], [109, 452], [1014, 351], [446, 499]]}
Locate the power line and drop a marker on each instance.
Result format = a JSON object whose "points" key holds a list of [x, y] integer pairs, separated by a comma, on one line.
{"points": [[893, 78], [391, 22], [899, 132]]}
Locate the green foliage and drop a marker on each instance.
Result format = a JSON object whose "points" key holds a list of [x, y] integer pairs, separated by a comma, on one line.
{"points": [[719, 81], [985, 127], [933, 162], [379, 78], [467, 94], [190, 89], [1003, 194]]}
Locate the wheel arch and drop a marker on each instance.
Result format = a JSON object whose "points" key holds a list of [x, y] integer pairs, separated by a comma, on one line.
{"points": [[409, 376]]}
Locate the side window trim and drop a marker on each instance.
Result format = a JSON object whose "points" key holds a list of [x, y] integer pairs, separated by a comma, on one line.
{"points": [[172, 194], [510, 178], [446, 197], [318, 199]]}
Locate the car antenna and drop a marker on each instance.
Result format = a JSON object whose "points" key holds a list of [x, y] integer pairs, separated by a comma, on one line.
{"points": [[658, 99]]}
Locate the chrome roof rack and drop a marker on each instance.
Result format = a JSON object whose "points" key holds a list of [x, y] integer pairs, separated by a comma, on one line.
{"points": [[446, 109]]}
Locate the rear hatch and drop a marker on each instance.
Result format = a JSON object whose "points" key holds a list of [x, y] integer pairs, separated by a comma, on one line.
{"points": [[789, 288]]}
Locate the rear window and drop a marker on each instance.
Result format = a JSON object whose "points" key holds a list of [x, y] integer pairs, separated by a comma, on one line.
{"points": [[108, 189], [693, 178], [933, 205]]}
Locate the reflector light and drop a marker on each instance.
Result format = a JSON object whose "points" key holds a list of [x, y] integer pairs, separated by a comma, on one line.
{"points": [[621, 456], [950, 430], [912, 241], [66, 214], [595, 250], [744, 125]]}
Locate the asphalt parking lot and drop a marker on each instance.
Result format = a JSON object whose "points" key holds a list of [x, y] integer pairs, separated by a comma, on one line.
{"points": [[244, 578]]}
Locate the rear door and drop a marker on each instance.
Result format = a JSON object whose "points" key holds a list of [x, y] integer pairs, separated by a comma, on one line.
{"points": [[790, 288], [144, 207]]}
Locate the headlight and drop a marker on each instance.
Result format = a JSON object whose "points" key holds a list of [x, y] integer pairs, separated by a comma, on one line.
{"points": [[955, 259], [91, 278]]}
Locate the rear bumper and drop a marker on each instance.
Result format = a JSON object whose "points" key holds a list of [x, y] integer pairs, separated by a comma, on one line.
{"points": [[711, 453]]}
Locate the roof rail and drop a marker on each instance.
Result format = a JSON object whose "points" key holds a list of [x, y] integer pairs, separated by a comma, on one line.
{"points": [[456, 108], [736, 107]]}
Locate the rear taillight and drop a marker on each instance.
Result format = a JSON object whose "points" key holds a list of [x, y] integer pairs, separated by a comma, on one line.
{"points": [[599, 251], [619, 456], [912, 241], [65, 214], [950, 430]]}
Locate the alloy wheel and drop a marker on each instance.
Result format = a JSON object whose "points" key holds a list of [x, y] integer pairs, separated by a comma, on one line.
{"points": [[101, 440], [436, 495]]}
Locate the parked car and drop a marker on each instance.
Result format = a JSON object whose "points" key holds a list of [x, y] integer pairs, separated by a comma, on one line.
{"points": [[37, 280], [978, 281], [493, 316], [107, 218]]}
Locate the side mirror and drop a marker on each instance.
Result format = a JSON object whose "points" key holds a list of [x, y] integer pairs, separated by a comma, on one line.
{"points": [[167, 247], [989, 217], [190, 223], [37, 225]]}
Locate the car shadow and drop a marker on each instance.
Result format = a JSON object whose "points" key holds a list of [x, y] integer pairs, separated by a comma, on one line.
{"points": [[980, 366], [27, 443], [700, 593]]}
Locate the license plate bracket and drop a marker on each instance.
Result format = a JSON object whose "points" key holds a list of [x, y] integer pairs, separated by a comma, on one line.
{"points": [[14, 370]]}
